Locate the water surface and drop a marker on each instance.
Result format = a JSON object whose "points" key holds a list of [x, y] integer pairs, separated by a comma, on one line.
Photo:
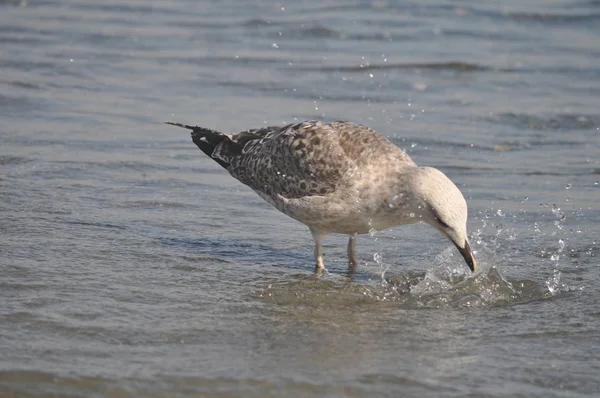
{"points": [[134, 266]]}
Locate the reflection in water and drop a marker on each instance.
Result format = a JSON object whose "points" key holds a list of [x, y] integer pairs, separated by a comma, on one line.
{"points": [[332, 324]]}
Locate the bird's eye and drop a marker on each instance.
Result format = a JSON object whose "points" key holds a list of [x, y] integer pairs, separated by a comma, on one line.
{"points": [[442, 223], [439, 219]]}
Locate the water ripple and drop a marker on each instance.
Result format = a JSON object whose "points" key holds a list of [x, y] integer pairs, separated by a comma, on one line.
{"points": [[456, 66], [554, 122]]}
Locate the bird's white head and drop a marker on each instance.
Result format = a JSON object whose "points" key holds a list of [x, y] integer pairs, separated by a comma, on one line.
{"points": [[442, 205]]}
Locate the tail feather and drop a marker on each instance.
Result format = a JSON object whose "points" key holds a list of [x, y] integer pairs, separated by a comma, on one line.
{"points": [[185, 126], [206, 139]]}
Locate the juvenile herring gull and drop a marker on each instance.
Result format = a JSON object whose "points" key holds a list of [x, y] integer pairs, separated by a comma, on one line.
{"points": [[339, 177]]}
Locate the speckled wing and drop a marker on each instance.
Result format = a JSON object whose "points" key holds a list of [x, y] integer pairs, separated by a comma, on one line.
{"points": [[294, 161], [366, 147]]}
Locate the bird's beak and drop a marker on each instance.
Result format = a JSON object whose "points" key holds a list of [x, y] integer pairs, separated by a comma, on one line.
{"points": [[467, 254]]}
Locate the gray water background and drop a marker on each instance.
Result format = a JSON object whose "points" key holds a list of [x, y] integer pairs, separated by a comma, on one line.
{"points": [[132, 265]]}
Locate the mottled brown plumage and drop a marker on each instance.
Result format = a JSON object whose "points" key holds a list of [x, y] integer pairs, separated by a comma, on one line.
{"points": [[338, 177]]}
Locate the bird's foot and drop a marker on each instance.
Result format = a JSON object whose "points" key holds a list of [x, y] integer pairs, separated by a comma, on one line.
{"points": [[352, 266], [320, 267]]}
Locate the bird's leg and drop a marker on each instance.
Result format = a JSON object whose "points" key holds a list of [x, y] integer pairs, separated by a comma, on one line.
{"points": [[318, 238], [352, 253]]}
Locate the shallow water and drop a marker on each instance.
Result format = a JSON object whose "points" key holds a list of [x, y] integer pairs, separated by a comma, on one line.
{"points": [[134, 266]]}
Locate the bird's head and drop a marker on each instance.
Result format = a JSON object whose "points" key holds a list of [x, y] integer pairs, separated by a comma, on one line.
{"points": [[442, 205]]}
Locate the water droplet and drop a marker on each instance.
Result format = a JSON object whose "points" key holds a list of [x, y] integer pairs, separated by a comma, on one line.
{"points": [[274, 45], [556, 211], [500, 213], [554, 283], [378, 258], [412, 215], [568, 186]]}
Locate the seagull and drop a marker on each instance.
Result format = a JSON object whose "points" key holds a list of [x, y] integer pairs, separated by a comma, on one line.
{"points": [[339, 177]]}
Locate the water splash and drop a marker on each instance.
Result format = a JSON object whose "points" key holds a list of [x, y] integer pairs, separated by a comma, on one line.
{"points": [[383, 268], [372, 231], [560, 217], [548, 230], [438, 288], [556, 255], [553, 283], [447, 284]]}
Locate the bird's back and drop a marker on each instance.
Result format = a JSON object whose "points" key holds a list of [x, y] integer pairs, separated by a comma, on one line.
{"points": [[306, 159], [366, 147]]}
